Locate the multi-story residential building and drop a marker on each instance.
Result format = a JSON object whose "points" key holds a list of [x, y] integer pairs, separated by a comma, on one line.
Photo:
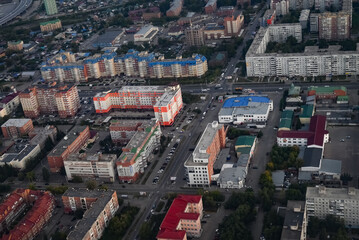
{"points": [[42, 205], [194, 35], [135, 155], [72, 142], [166, 101], [268, 18], [295, 221], [213, 31], [334, 26], [50, 99], [225, 11], [210, 6], [304, 18], [281, 6], [313, 22], [245, 109], [14, 127], [64, 68], [50, 7], [100, 207], [280, 32], [182, 219], [146, 33], [312, 62], [9, 103], [340, 202], [91, 166], [175, 9], [315, 137], [122, 131], [50, 25], [199, 166], [233, 24], [18, 155], [15, 45]]}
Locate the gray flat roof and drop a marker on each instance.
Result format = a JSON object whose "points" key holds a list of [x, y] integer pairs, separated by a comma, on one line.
{"points": [[232, 174], [293, 219], [16, 122], [331, 166], [312, 157], [332, 193], [278, 178]]}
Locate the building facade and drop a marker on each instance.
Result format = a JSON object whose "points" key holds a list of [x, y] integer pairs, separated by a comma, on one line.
{"points": [[295, 221], [340, 202], [199, 166], [194, 35], [233, 24], [135, 155], [334, 26], [9, 103], [182, 219], [50, 7], [50, 99], [146, 33], [15, 128], [71, 143], [175, 9], [210, 6], [15, 45], [50, 25], [91, 166]]}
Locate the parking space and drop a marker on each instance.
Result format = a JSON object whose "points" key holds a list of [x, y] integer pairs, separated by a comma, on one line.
{"points": [[343, 146]]}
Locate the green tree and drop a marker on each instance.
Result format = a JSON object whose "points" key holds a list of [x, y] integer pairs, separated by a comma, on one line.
{"points": [[91, 184], [260, 134], [30, 176], [45, 174]]}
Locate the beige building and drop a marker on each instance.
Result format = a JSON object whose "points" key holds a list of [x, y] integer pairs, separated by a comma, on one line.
{"points": [[50, 25], [194, 35], [334, 26], [15, 45]]}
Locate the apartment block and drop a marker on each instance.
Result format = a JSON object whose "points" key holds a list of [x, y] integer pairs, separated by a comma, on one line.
{"points": [[71, 143], [50, 25], [100, 207], [175, 9], [194, 35], [199, 166], [182, 219], [135, 155], [50, 7], [122, 131], [268, 18], [340, 202], [233, 24], [15, 45], [334, 26], [9, 104], [42, 206], [281, 6], [91, 166], [210, 6], [165, 101], [14, 128]]}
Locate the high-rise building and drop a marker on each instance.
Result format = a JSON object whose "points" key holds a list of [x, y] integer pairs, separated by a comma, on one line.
{"points": [[194, 35], [50, 25], [50, 99], [334, 26], [199, 166], [50, 7], [233, 24]]}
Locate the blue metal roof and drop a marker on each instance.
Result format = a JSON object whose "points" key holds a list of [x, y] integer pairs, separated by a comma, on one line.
{"points": [[243, 101]]}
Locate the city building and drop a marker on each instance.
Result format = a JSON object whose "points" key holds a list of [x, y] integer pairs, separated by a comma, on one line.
{"points": [[311, 63], [16, 127], [9, 104], [165, 101], [146, 33], [225, 11], [144, 14], [295, 221], [268, 18], [15, 45], [280, 6], [294, 91], [315, 137], [213, 31], [91, 166], [245, 109], [50, 26], [39, 135], [340, 202], [50, 7], [245, 143], [244, 3], [71, 143], [42, 205], [175, 9], [122, 131], [136, 154], [210, 6], [334, 26], [100, 207], [233, 24], [286, 120], [306, 113], [199, 165], [194, 35], [313, 22], [327, 92], [183, 218], [18, 156], [50, 99], [280, 32], [110, 38], [304, 18]]}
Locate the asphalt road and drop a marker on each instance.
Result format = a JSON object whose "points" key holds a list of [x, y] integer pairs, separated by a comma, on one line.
{"points": [[22, 6]]}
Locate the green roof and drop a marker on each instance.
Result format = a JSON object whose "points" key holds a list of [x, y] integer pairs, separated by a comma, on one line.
{"points": [[343, 98], [133, 150], [287, 114], [245, 140], [50, 22], [285, 123], [15, 42], [324, 90], [293, 90], [244, 150], [307, 111]]}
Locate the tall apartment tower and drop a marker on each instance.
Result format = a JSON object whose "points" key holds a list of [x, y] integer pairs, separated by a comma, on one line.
{"points": [[194, 36], [334, 26], [50, 7]]}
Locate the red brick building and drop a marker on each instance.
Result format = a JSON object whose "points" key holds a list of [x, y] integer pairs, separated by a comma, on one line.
{"points": [[71, 143], [210, 7], [14, 128], [43, 204], [50, 99]]}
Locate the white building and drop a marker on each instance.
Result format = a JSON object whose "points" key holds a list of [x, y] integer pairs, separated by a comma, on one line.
{"points": [[146, 33], [340, 202], [304, 18], [232, 178], [96, 166], [9, 103], [19, 158]]}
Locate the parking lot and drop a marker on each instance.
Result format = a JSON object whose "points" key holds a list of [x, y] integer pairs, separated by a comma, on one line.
{"points": [[343, 146]]}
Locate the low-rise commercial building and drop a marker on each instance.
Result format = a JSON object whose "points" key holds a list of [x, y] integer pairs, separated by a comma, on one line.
{"points": [[295, 221], [71, 143], [9, 104], [18, 157], [100, 207], [146, 33], [340, 202], [17, 127], [91, 166], [15, 45], [327, 92], [245, 109], [50, 26], [135, 155], [183, 218], [245, 142], [175, 9], [199, 166], [286, 120]]}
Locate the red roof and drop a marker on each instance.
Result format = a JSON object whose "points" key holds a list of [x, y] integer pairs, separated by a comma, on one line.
{"points": [[176, 213], [315, 135], [171, 234]]}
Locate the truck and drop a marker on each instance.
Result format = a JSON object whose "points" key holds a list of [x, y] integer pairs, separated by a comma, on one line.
{"points": [[218, 86], [229, 77]]}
